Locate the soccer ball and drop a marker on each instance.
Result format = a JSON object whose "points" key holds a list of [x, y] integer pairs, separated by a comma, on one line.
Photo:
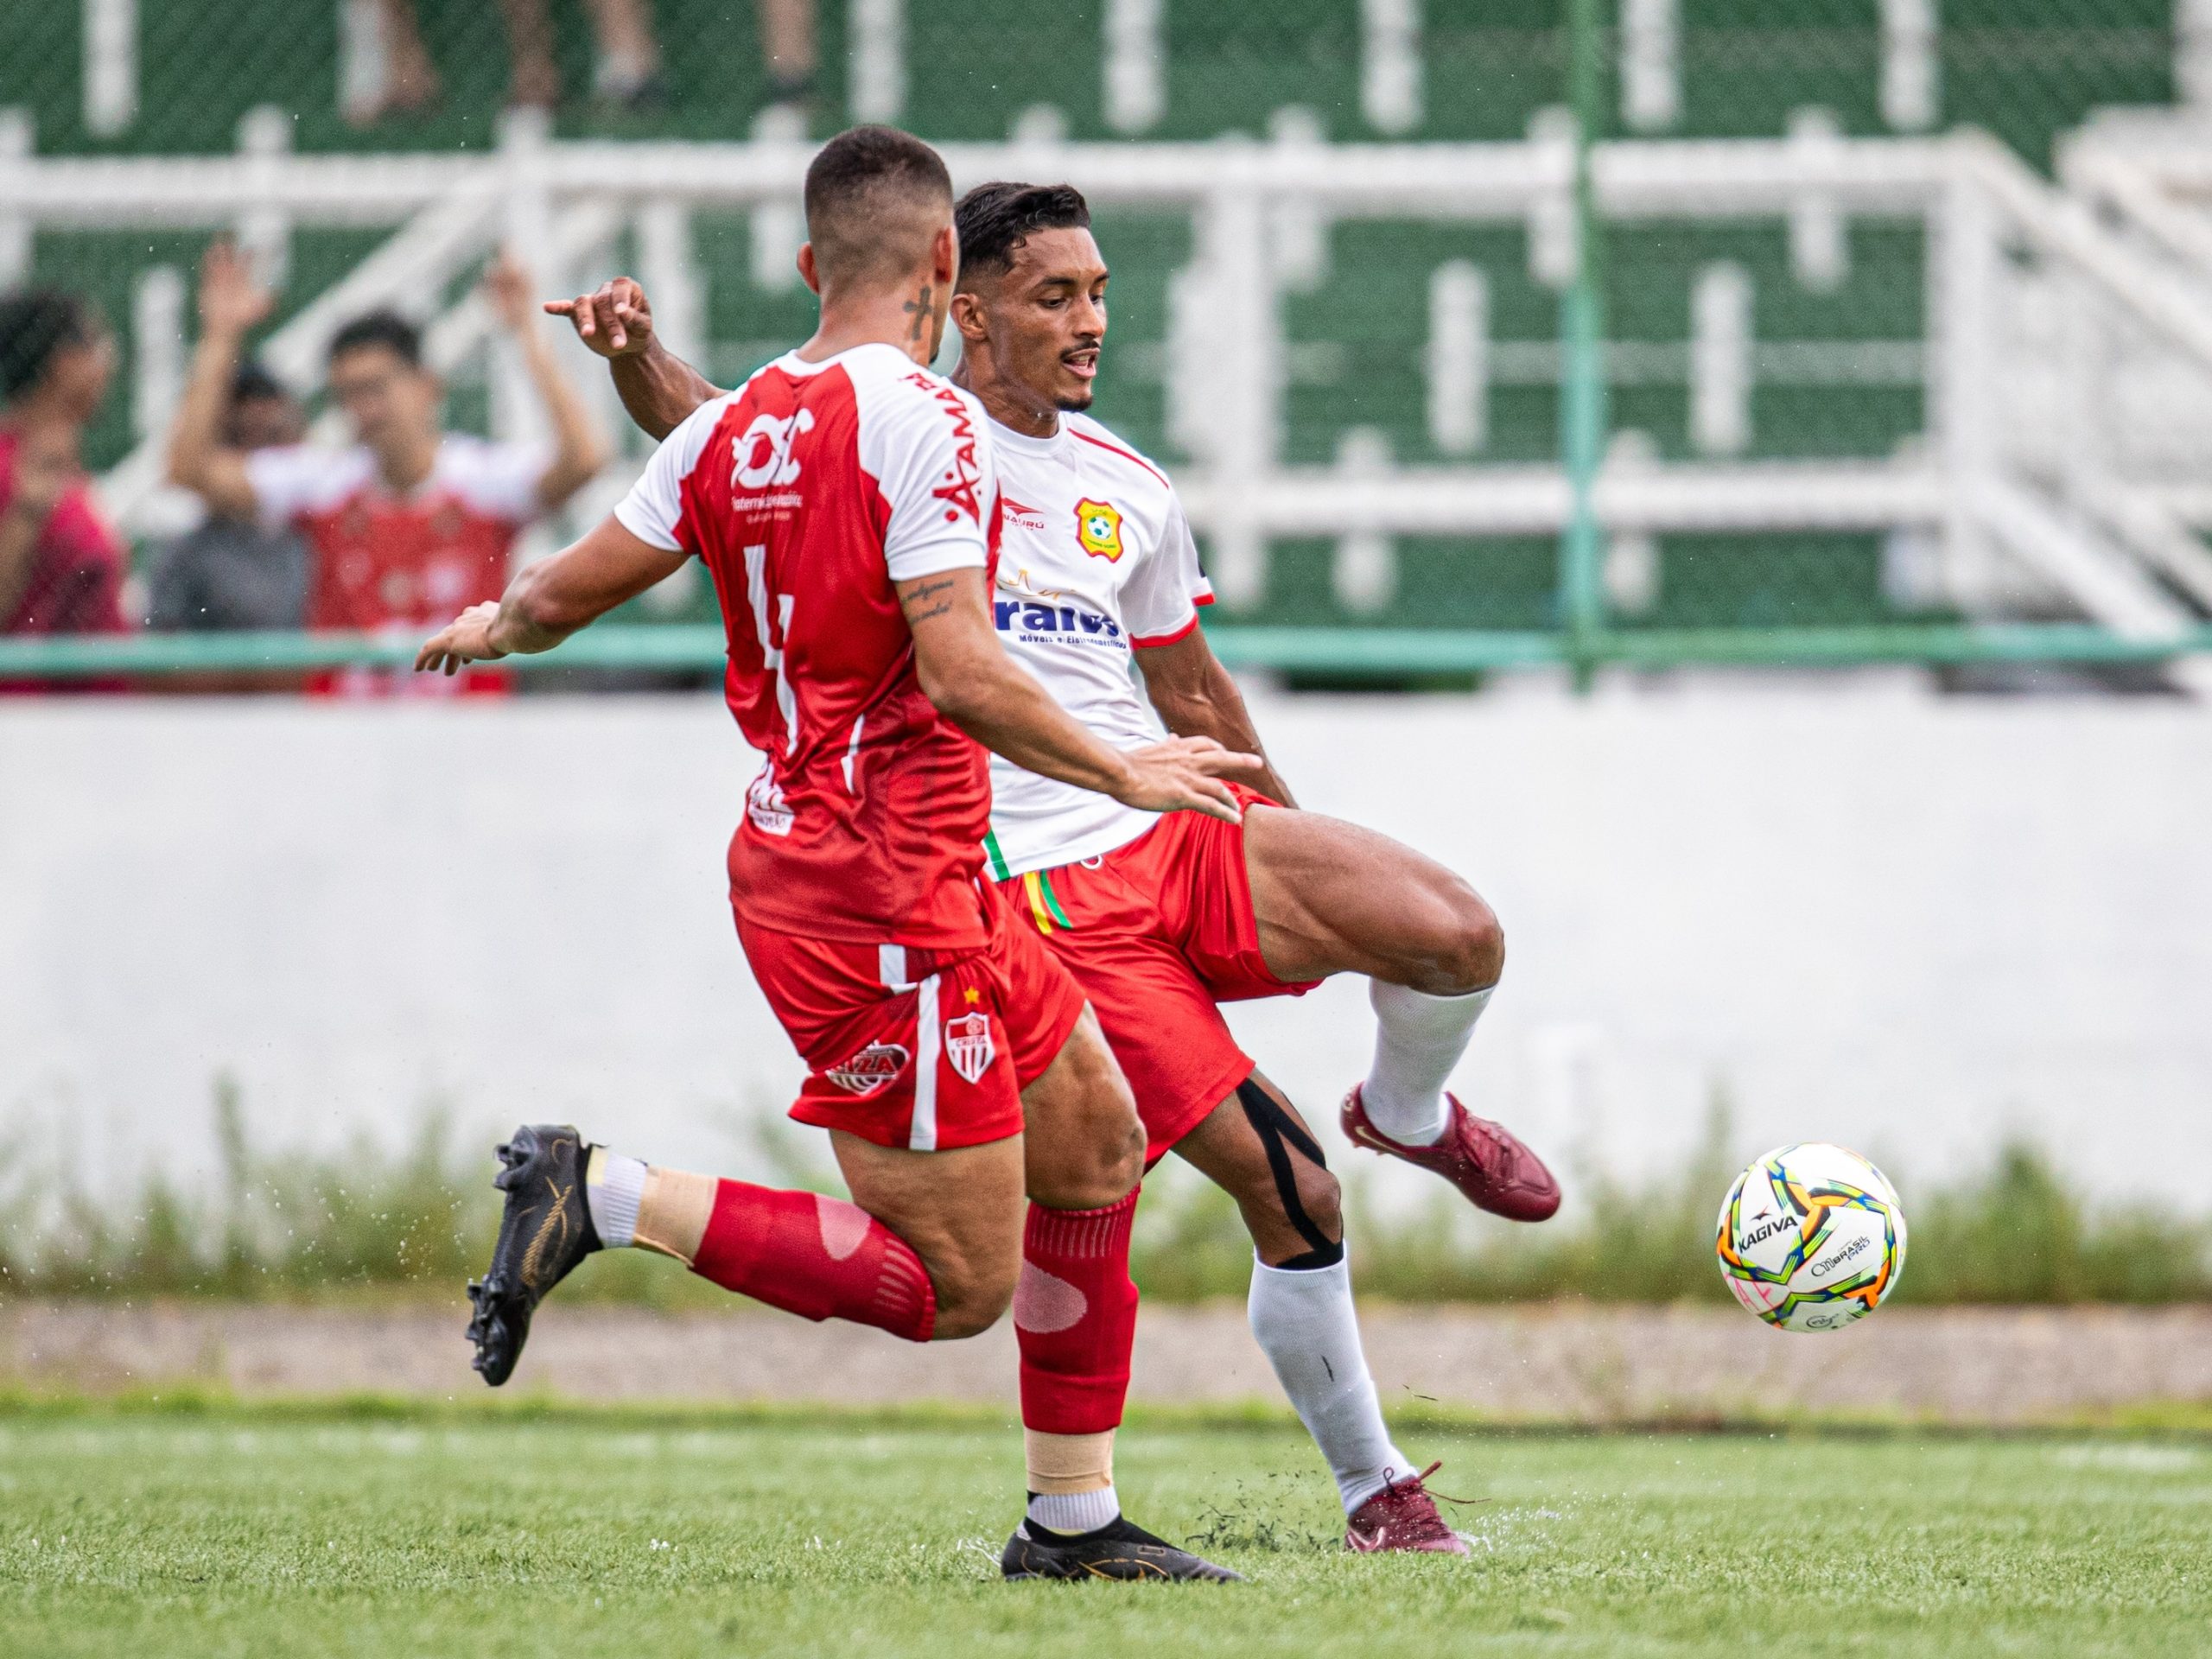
{"points": [[1811, 1237]]}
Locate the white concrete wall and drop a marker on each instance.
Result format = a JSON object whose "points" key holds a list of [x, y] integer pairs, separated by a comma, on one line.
{"points": [[1907, 925]]}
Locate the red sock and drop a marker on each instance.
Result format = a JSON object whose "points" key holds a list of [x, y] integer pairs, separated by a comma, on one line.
{"points": [[1075, 1314], [818, 1257]]}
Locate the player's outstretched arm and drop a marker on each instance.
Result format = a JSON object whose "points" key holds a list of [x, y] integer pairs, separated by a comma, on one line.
{"points": [[1195, 697], [548, 602], [657, 388], [966, 673]]}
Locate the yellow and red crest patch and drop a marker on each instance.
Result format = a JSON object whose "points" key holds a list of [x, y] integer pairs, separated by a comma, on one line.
{"points": [[1099, 527]]}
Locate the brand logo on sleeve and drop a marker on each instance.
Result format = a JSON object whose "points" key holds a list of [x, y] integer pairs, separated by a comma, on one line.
{"points": [[967, 1045], [1099, 527], [761, 458], [960, 486]]}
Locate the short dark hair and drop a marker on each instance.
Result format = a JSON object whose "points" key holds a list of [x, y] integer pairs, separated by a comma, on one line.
{"points": [[252, 382], [37, 326], [857, 188], [384, 328], [996, 220]]}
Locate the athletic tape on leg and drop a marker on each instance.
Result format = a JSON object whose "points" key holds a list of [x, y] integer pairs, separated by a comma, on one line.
{"points": [[1274, 1127]]}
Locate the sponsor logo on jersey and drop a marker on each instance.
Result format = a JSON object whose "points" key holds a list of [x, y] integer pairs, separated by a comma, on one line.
{"points": [[958, 489], [1099, 527], [1019, 514], [765, 805], [1028, 616], [967, 1045], [761, 457], [870, 1069]]}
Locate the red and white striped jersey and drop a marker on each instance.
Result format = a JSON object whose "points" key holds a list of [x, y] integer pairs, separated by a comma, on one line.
{"points": [[807, 492]]}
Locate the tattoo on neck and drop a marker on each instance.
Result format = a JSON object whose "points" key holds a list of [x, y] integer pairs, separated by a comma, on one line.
{"points": [[919, 309]]}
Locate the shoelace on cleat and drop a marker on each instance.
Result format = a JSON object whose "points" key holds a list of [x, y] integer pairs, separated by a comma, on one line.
{"points": [[1420, 1484]]}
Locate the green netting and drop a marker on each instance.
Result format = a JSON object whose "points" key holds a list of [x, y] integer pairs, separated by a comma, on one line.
{"points": [[1837, 358]]}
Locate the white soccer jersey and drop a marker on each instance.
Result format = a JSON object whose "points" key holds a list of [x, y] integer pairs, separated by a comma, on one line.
{"points": [[1095, 555]]}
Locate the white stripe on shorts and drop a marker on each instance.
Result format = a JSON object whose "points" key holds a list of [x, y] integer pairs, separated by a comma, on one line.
{"points": [[927, 1041], [891, 967]]}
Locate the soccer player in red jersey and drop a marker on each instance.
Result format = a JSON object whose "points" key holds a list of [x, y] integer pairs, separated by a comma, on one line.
{"points": [[844, 501], [1161, 919]]}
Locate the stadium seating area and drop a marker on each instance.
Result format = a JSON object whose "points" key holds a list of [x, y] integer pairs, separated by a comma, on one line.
{"points": [[1839, 373]]}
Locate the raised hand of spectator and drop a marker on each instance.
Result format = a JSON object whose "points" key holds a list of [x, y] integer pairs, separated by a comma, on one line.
{"points": [[613, 320], [232, 299], [506, 290]]}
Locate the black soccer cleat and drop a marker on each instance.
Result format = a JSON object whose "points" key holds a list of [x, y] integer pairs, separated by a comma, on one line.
{"points": [[1116, 1550], [545, 1231]]}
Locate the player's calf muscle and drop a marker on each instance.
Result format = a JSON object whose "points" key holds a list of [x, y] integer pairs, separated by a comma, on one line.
{"points": [[1255, 1146]]}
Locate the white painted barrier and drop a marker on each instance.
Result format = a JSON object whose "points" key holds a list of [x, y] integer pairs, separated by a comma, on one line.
{"points": [[1906, 924]]}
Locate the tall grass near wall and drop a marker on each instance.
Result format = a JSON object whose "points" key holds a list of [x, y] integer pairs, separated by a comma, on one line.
{"points": [[368, 1220]]}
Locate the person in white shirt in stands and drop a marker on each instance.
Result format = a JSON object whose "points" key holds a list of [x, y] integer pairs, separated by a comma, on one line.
{"points": [[411, 523]]}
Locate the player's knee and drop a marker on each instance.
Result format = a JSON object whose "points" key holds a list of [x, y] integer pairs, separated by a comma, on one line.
{"points": [[1466, 949], [969, 1302], [1101, 1163], [1103, 1169]]}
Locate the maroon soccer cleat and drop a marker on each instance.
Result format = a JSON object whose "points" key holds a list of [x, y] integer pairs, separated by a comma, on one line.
{"points": [[1402, 1515], [1492, 1170]]}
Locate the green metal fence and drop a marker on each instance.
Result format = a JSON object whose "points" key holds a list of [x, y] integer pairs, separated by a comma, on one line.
{"points": [[1586, 362]]}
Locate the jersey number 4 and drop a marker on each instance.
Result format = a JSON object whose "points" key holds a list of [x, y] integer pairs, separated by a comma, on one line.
{"points": [[771, 655]]}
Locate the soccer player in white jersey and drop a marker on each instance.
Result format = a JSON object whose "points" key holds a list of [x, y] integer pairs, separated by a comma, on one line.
{"points": [[1161, 918]]}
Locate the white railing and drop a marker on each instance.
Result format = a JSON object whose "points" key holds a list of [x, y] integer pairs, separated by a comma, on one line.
{"points": [[2067, 361]]}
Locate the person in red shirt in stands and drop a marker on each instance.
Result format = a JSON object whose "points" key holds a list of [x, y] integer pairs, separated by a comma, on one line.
{"points": [[411, 521], [61, 564]]}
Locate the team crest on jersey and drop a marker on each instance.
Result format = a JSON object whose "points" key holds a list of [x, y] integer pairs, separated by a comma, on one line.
{"points": [[1099, 527], [870, 1069], [967, 1044]]}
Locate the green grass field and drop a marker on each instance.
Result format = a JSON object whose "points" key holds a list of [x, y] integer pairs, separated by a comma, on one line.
{"points": [[251, 1532]]}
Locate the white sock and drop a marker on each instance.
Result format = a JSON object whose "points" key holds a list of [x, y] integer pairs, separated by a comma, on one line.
{"points": [[1304, 1321], [1418, 1039], [1074, 1511], [613, 1188]]}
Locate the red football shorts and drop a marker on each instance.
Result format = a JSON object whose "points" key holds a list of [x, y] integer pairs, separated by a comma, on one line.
{"points": [[1157, 932], [908, 1047]]}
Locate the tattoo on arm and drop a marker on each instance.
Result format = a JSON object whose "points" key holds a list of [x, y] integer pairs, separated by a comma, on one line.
{"points": [[919, 309], [919, 606]]}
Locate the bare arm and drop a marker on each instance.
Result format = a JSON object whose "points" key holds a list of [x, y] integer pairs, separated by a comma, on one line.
{"points": [[550, 599], [656, 387], [231, 303], [1196, 698], [966, 673], [578, 447]]}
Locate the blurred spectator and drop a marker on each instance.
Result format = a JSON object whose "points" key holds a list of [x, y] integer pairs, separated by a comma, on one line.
{"points": [[787, 47], [627, 74], [61, 564], [234, 572], [412, 523]]}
